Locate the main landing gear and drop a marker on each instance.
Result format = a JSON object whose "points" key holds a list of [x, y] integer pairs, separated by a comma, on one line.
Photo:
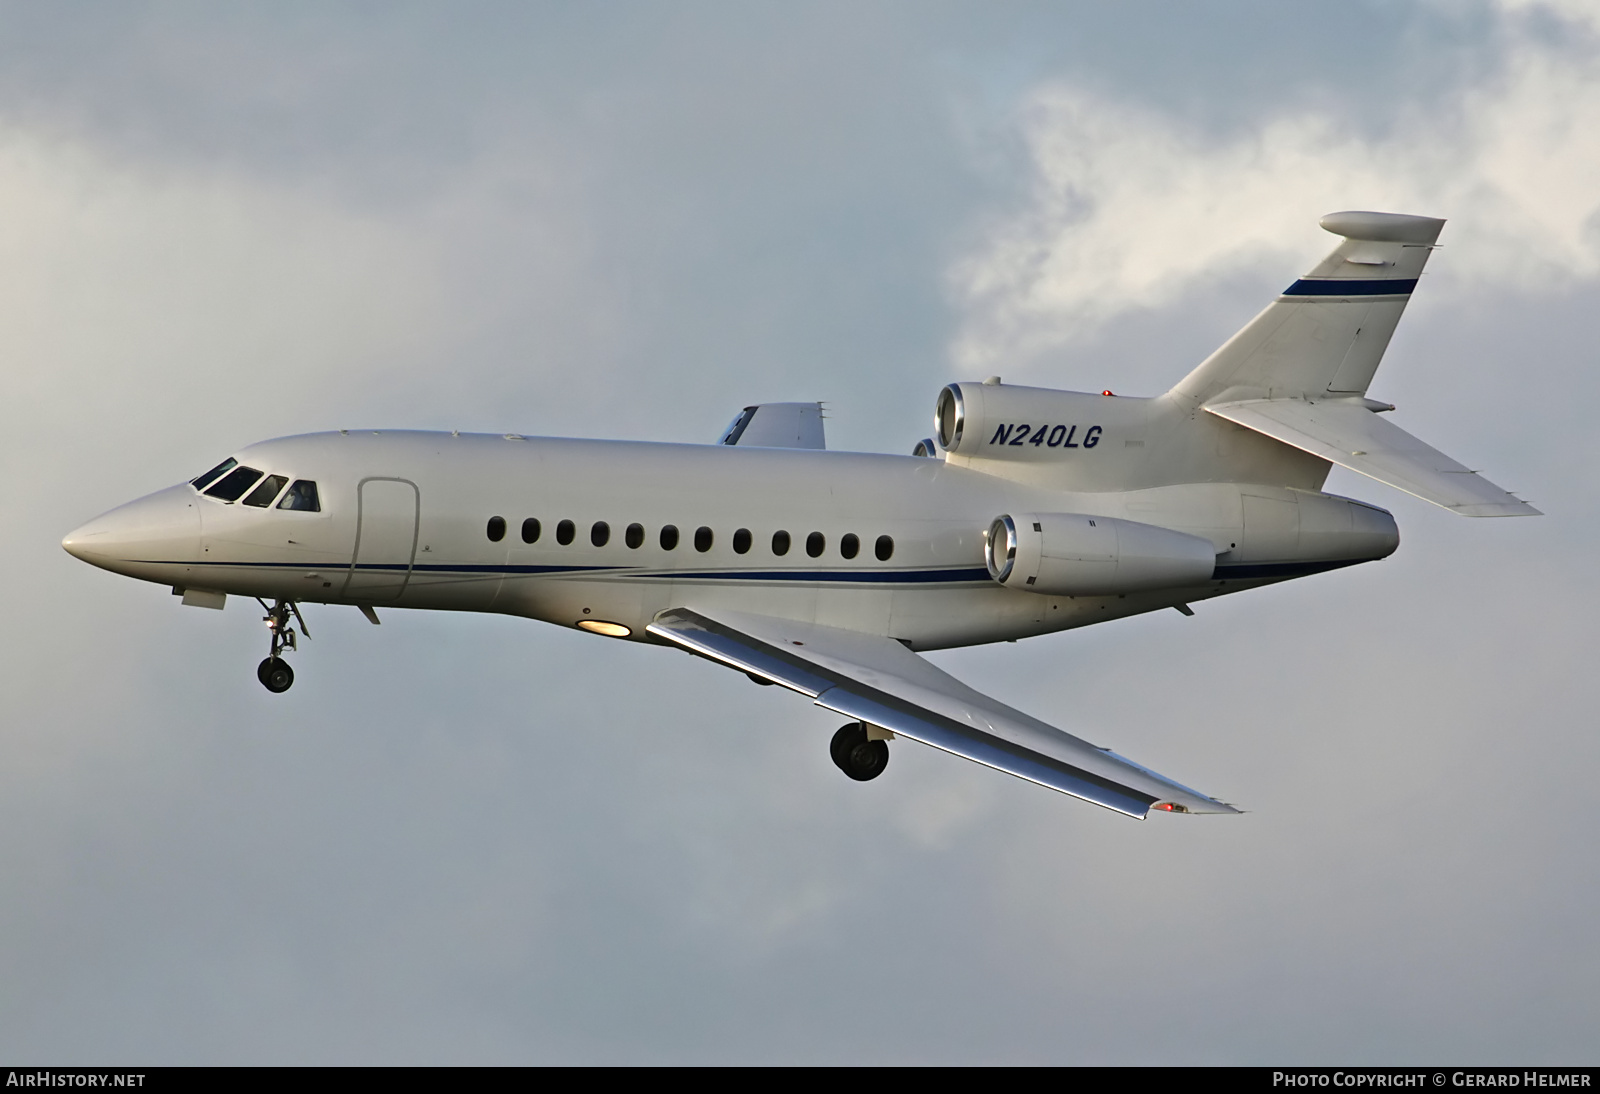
{"points": [[274, 673], [858, 756]]}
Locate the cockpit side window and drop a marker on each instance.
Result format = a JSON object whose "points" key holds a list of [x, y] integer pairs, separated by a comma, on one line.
{"points": [[262, 496], [214, 474], [234, 484], [303, 496]]}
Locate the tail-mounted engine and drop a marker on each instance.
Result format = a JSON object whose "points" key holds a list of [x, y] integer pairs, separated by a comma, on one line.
{"points": [[1071, 554], [1034, 424]]}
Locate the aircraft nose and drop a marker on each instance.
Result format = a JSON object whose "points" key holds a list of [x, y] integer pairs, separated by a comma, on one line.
{"points": [[81, 543], [161, 527]]}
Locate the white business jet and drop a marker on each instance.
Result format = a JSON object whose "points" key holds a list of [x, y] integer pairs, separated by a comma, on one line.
{"points": [[1031, 510]]}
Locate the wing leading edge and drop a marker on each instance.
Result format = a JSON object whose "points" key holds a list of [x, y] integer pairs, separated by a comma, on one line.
{"points": [[878, 681]]}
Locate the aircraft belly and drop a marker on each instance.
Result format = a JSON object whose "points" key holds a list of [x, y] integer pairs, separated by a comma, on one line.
{"points": [[568, 601], [785, 600], [865, 610], [943, 618], [452, 591]]}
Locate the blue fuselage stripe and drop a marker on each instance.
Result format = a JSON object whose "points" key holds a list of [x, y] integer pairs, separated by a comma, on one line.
{"points": [[964, 576], [874, 576], [894, 577], [1399, 286], [1243, 570]]}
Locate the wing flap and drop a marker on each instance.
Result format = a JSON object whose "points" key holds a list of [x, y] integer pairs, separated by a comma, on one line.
{"points": [[1347, 433], [877, 680]]}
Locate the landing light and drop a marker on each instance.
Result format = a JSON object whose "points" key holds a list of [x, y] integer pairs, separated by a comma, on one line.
{"points": [[600, 626]]}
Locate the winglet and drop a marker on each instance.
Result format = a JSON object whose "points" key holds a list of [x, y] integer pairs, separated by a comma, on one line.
{"points": [[777, 425], [1383, 227]]}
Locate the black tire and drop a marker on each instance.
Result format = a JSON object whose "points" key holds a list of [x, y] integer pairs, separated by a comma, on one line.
{"points": [[843, 741], [867, 760], [857, 757], [275, 675]]}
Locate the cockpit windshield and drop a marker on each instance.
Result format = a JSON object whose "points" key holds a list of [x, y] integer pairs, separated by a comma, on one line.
{"points": [[214, 474], [233, 485], [262, 496], [229, 481]]}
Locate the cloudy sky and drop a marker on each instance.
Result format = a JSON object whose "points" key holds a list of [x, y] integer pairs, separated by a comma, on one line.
{"points": [[486, 840]]}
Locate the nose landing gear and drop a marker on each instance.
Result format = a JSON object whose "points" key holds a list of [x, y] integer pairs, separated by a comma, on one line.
{"points": [[858, 756], [274, 673]]}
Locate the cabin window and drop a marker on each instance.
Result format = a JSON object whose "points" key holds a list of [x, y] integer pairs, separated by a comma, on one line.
{"points": [[669, 537], [741, 542], [702, 539], [497, 529], [816, 543], [565, 531], [233, 485], [600, 534], [530, 530], [263, 495], [214, 474], [780, 543], [849, 545], [302, 495], [634, 536], [884, 548]]}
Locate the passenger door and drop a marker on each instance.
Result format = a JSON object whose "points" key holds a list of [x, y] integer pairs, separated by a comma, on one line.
{"points": [[386, 539]]}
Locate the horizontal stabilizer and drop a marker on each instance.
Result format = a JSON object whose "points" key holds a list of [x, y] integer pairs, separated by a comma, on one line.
{"points": [[777, 425], [878, 681], [1346, 432]]}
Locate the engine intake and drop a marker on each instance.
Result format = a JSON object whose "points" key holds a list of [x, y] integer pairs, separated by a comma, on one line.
{"points": [[1074, 554], [1031, 424]]}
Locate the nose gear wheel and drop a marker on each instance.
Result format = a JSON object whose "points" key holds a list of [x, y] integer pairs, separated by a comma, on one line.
{"points": [[274, 672]]}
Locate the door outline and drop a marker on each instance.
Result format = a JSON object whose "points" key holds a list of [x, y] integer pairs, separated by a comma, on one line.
{"points": [[416, 527]]}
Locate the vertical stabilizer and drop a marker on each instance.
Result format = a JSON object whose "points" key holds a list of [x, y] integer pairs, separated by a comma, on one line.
{"points": [[1326, 333]]}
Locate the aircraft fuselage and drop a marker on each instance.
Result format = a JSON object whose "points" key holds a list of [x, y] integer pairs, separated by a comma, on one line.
{"points": [[888, 545]]}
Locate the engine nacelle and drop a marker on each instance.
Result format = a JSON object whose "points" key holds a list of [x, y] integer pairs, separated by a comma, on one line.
{"points": [[1031, 424], [1072, 554]]}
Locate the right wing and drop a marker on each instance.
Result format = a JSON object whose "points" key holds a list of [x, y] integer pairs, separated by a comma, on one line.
{"points": [[1348, 433], [878, 681]]}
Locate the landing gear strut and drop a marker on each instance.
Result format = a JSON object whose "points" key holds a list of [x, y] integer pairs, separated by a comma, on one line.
{"points": [[274, 673], [856, 756]]}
